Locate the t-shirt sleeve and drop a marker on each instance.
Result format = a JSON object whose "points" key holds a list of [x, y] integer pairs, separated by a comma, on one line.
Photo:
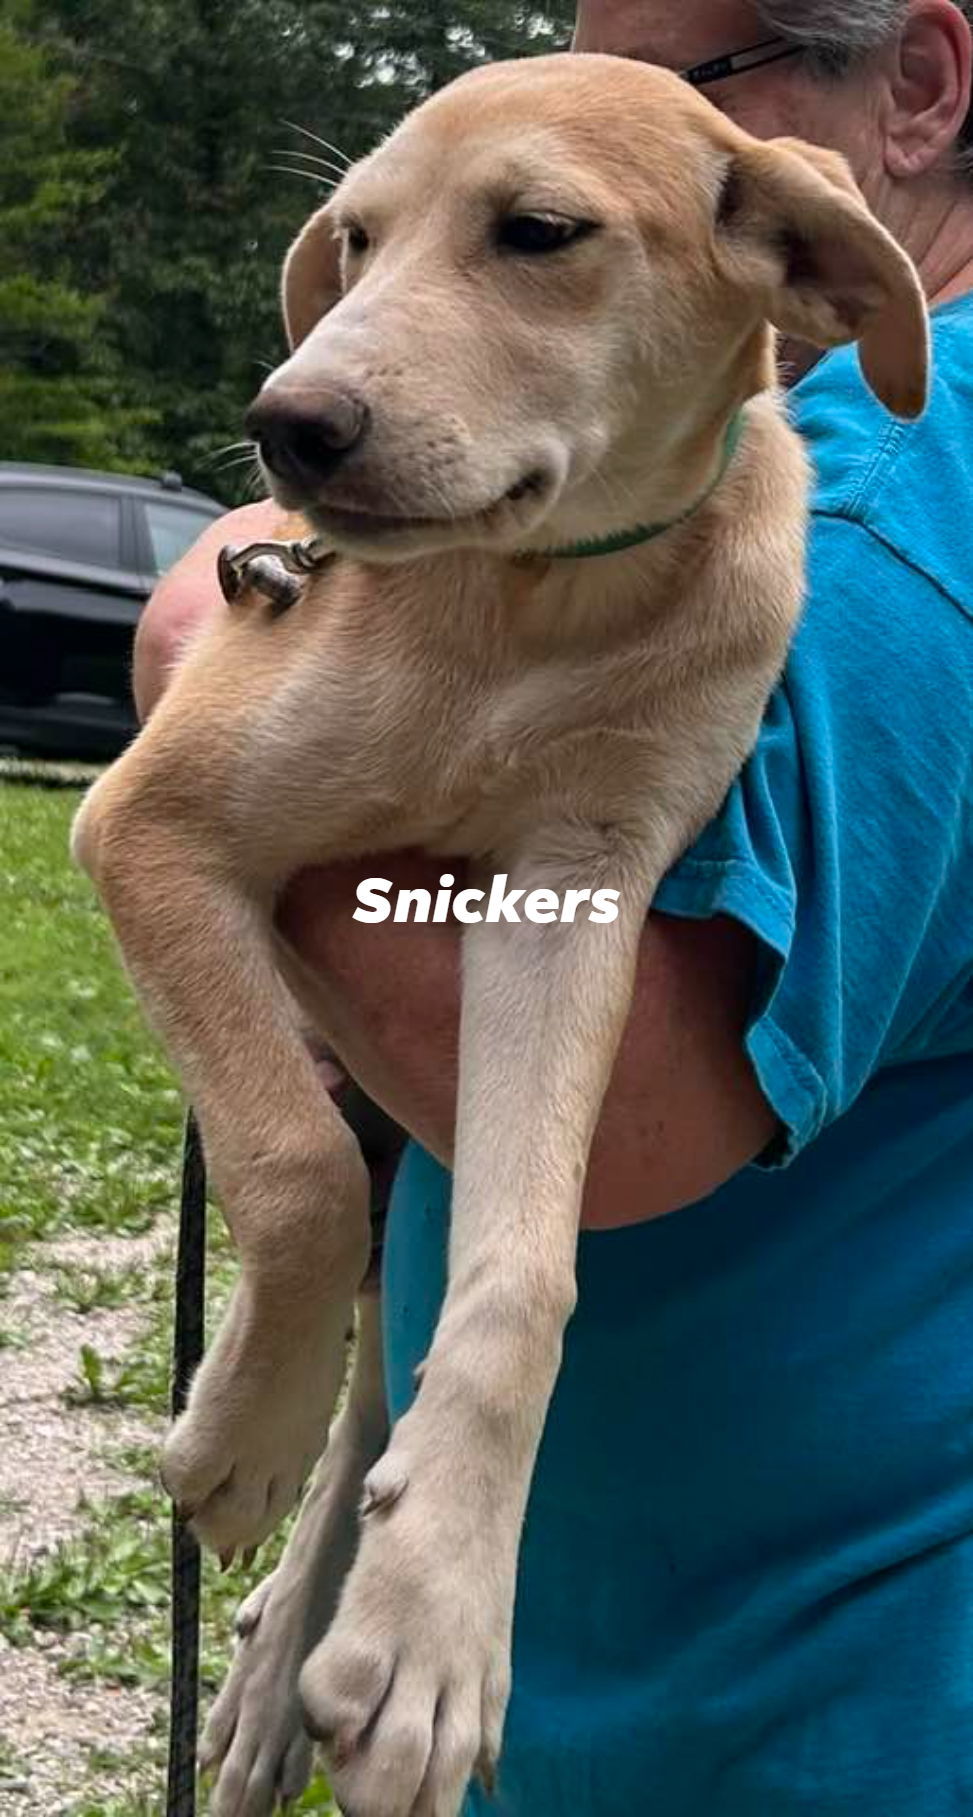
{"points": [[846, 844]]}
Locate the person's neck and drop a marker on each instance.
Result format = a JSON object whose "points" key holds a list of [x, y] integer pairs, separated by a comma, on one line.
{"points": [[949, 272], [933, 221]]}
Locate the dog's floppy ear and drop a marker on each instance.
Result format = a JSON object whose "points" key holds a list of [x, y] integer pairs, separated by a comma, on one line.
{"points": [[311, 283], [793, 227]]}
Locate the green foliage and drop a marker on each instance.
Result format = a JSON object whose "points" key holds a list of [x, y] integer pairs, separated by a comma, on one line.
{"points": [[142, 219], [57, 398]]}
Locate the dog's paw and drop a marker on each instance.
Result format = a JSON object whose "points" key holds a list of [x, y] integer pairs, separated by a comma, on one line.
{"points": [[408, 1690], [255, 1741], [256, 1422]]}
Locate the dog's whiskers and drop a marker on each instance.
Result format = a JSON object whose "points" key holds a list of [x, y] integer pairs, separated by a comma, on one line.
{"points": [[238, 460], [324, 143], [241, 450], [618, 493], [308, 157], [228, 448], [288, 170]]}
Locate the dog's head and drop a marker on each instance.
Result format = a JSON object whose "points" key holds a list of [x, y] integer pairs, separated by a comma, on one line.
{"points": [[523, 316]]}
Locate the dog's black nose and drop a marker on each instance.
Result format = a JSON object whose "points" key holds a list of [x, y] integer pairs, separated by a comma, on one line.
{"points": [[304, 436]]}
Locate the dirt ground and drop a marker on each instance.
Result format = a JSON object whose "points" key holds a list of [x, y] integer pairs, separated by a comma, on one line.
{"points": [[54, 1458]]}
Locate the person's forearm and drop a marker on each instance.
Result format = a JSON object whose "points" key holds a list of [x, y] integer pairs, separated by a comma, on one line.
{"points": [[683, 1111]]}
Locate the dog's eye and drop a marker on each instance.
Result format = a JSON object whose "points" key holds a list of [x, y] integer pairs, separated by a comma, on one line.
{"points": [[356, 238], [532, 235]]}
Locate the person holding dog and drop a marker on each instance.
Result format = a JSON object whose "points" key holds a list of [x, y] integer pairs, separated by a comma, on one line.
{"points": [[746, 1585]]}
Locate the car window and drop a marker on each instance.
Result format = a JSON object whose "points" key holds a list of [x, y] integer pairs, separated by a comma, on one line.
{"points": [[73, 526], [172, 529]]}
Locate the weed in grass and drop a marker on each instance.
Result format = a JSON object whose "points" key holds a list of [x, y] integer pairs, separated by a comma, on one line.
{"points": [[87, 1290], [317, 1799], [138, 1805], [10, 1259], [114, 1569], [13, 1772], [91, 1386], [110, 1588], [141, 1380]]}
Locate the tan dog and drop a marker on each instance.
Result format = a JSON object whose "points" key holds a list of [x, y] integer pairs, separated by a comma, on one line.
{"points": [[530, 319]]}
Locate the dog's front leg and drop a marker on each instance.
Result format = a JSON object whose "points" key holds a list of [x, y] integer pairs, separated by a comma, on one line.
{"points": [[255, 1738], [288, 1172], [409, 1689]]}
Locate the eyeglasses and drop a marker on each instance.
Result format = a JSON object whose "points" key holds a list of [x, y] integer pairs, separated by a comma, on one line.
{"points": [[740, 62]]}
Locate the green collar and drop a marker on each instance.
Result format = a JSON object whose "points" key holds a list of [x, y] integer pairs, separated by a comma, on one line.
{"points": [[646, 533]]}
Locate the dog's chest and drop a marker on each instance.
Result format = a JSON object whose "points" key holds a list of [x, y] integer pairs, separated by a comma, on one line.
{"points": [[391, 718]]}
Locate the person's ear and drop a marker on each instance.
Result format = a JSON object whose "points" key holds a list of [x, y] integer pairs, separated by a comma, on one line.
{"points": [[928, 96], [794, 231], [311, 283]]}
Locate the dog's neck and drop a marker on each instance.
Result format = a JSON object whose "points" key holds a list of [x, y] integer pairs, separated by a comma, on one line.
{"points": [[499, 612], [669, 458], [618, 541]]}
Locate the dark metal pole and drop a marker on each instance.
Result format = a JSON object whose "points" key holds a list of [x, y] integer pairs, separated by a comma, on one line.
{"points": [[187, 1354]]}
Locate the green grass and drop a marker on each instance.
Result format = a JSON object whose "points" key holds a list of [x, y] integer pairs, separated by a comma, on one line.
{"points": [[90, 1137], [89, 1112]]}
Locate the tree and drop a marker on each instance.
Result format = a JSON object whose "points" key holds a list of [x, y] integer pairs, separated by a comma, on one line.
{"points": [[182, 105], [57, 400]]}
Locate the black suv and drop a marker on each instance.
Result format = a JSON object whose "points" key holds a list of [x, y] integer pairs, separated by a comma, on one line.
{"points": [[80, 553]]}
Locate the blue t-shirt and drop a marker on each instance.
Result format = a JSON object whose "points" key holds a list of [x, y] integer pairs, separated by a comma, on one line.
{"points": [[746, 1585]]}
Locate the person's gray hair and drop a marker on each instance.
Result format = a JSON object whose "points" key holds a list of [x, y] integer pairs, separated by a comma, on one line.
{"points": [[837, 34]]}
